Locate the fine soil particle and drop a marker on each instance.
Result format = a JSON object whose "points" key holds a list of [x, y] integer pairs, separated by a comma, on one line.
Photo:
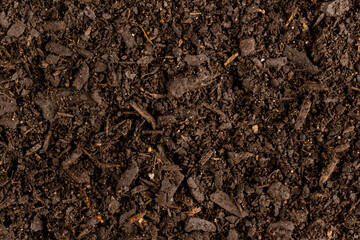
{"points": [[179, 119]]}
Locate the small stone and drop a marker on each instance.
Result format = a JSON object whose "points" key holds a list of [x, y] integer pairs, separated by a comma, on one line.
{"points": [[247, 46], [255, 129]]}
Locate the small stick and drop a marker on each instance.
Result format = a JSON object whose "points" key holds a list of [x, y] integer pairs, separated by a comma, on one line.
{"points": [[146, 36], [61, 114], [232, 58], [291, 17], [355, 89], [145, 114]]}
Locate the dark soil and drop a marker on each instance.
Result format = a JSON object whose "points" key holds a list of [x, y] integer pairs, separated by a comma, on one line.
{"points": [[179, 119]]}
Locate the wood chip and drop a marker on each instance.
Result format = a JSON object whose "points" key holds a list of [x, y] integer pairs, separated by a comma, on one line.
{"points": [[225, 201], [330, 168], [206, 157], [304, 111], [300, 59], [145, 114], [198, 224]]}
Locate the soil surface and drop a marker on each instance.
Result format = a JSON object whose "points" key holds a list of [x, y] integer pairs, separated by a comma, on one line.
{"points": [[179, 119]]}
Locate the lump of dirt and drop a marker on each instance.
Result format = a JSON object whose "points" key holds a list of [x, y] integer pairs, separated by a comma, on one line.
{"points": [[3, 20], [145, 60], [16, 29], [55, 26], [36, 224], [198, 224], [247, 46], [282, 230], [195, 60], [279, 192], [7, 104], [114, 205], [100, 67], [277, 62], [233, 235], [336, 8]]}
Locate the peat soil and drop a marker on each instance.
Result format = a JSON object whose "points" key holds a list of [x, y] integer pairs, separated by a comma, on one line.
{"points": [[179, 119]]}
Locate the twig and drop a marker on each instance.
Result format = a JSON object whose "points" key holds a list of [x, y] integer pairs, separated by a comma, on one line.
{"points": [[232, 58], [355, 88], [146, 36], [291, 17], [61, 114], [145, 114]]}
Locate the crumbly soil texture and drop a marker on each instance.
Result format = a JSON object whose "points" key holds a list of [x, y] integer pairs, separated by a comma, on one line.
{"points": [[232, 119]]}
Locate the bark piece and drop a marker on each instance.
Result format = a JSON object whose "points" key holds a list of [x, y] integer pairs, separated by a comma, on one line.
{"points": [[226, 202], [58, 49], [16, 30], [128, 177], [304, 111], [198, 224], [300, 59], [81, 77]]}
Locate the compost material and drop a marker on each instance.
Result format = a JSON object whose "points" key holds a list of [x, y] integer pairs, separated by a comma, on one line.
{"points": [[179, 119]]}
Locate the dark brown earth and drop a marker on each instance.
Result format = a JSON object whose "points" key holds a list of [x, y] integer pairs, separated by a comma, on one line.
{"points": [[179, 119]]}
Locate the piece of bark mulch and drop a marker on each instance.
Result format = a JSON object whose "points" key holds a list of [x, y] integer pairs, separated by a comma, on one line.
{"points": [[279, 191], [16, 29], [128, 177], [225, 201], [81, 77], [195, 190], [7, 104], [169, 186], [198, 224], [300, 59], [181, 84], [304, 111], [282, 229]]}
